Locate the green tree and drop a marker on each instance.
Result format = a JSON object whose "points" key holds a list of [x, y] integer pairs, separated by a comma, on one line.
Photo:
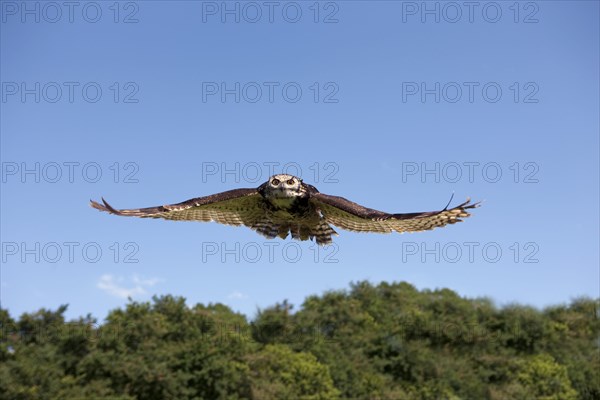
{"points": [[280, 373], [385, 341], [545, 378]]}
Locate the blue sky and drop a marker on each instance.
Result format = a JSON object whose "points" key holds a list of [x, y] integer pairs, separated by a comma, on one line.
{"points": [[386, 103]]}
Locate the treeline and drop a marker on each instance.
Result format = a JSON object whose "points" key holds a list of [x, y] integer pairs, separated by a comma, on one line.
{"points": [[388, 341]]}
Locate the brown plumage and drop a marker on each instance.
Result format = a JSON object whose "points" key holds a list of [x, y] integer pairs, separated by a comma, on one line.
{"points": [[285, 205]]}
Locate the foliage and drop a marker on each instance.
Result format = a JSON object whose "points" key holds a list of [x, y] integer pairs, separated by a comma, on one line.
{"points": [[388, 341]]}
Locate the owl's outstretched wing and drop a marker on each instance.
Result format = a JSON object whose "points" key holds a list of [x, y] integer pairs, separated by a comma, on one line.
{"points": [[234, 207], [348, 215]]}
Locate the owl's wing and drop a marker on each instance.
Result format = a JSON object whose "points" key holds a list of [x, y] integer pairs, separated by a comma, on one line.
{"points": [[348, 215], [234, 207]]}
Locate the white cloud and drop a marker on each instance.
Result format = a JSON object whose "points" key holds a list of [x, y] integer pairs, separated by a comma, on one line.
{"points": [[119, 287], [236, 295], [145, 282]]}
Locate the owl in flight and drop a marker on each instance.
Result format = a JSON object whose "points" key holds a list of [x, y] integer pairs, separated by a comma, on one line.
{"points": [[285, 205]]}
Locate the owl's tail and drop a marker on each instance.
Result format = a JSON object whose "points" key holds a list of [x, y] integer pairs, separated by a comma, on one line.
{"points": [[321, 233]]}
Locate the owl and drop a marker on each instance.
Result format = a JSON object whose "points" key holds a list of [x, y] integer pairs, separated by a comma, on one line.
{"points": [[286, 205]]}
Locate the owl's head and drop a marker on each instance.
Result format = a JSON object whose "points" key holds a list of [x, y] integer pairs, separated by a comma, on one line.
{"points": [[284, 186]]}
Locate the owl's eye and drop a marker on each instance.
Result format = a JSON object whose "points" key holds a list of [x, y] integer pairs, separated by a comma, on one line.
{"points": [[290, 182], [275, 182]]}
